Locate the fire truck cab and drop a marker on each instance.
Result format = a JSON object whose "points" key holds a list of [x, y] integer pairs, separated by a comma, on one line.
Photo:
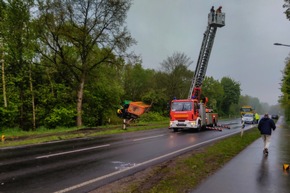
{"points": [[190, 114]]}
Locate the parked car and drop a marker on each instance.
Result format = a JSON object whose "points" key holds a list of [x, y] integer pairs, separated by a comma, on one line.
{"points": [[248, 118], [275, 116]]}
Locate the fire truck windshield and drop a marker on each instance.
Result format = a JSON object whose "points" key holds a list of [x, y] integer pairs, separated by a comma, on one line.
{"points": [[181, 106]]}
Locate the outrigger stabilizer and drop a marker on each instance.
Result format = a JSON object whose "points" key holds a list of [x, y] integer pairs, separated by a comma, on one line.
{"points": [[218, 127]]}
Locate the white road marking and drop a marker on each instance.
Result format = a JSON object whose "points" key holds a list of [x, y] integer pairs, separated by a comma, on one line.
{"points": [[140, 164], [144, 138], [124, 166], [74, 151]]}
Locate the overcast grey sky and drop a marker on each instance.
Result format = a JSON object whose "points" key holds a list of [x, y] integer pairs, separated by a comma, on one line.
{"points": [[243, 49]]}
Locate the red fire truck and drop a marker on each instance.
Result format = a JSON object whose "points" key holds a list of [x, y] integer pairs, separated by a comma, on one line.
{"points": [[192, 113]]}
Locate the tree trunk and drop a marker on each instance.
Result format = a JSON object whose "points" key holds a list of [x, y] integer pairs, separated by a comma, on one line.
{"points": [[80, 94], [32, 100], [3, 77], [21, 108], [50, 81]]}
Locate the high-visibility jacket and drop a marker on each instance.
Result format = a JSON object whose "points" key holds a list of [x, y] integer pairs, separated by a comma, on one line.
{"points": [[257, 117]]}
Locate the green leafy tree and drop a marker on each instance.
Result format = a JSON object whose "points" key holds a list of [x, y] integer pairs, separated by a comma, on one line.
{"points": [[158, 101], [102, 95], [157, 95], [285, 85], [285, 89], [232, 93], [2, 54], [244, 100], [259, 107], [177, 77], [287, 6], [137, 81], [252, 101], [159, 84], [17, 37], [79, 35], [213, 90]]}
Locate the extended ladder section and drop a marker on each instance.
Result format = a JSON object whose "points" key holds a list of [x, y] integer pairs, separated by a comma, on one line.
{"points": [[214, 21]]}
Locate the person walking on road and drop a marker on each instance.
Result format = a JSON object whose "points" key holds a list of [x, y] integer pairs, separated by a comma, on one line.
{"points": [[266, 125]]}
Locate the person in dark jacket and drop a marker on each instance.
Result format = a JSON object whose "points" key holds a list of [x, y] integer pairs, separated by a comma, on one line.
{"points": [[266, 125], [212, 11]]}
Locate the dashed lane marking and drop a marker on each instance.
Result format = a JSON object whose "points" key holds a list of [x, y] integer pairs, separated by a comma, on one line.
{"points": [[144, 138], [74, 151]]}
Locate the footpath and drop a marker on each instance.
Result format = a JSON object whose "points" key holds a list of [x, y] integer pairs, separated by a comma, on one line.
{"points": [[252, 172]]}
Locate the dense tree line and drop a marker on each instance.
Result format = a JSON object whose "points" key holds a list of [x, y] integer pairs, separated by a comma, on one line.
{"points": [[285, 89], [65, 63], [285, 84]]}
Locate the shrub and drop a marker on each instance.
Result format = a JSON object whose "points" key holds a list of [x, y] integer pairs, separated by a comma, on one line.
{"points": [[152, 116], [60, 116], [9, 117]]}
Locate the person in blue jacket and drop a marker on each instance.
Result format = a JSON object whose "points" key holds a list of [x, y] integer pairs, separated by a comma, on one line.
{"points": [[266, 125]]}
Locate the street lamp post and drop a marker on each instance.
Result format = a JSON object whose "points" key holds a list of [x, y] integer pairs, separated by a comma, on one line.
{"points": [[279, 44]]}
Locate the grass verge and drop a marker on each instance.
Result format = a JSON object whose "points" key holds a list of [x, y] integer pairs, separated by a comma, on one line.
{"points": [[190, 171], [16, 137]]}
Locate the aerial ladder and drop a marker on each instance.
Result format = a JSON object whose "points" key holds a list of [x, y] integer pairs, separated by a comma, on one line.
{"points": [[215, 20], [192, 113]]}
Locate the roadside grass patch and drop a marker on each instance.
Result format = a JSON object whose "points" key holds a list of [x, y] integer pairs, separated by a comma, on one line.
{"points": [[16, 137]]}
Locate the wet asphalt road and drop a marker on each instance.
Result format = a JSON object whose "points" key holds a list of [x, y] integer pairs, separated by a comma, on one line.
{"points": [[252, 172], [84, 165]]}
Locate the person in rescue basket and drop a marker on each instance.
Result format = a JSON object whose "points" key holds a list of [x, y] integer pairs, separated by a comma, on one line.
{"points": [[212, 13], [219, 10], [266, 125]]}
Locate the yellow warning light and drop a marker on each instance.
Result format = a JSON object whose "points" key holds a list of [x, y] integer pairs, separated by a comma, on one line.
{"points": [[285, 166]]}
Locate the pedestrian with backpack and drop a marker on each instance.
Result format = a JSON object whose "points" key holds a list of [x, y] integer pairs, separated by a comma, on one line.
{"points": [[265, 126]]}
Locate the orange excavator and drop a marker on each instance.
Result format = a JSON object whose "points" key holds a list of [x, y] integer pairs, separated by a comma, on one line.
{"points": [[131, 110]]}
